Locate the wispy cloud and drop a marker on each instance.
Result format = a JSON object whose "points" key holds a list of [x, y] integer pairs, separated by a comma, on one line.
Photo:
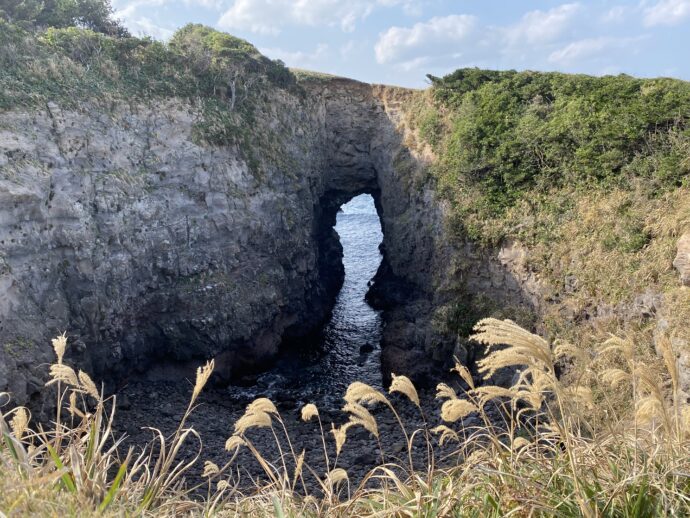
{"points": [[464, 37], [667, 12], [299, 59], [540, 27], [140, 25], [272, 16], [616, 14], [588, 48], [410, 44]]}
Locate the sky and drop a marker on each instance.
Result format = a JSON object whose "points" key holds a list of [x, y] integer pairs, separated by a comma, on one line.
{"points": [[400, 41]]}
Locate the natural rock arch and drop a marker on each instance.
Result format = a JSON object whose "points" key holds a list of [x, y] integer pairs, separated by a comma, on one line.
{"points": [[151, 247]]}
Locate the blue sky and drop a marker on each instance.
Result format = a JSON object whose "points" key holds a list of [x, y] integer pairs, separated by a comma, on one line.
{"points": [[400, 41]]}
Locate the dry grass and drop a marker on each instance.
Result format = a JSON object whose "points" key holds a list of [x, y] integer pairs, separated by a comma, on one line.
{"points": [[549, 459]]}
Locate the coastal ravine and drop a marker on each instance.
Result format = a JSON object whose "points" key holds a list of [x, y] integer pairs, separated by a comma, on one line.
{"points": [[348, 348], [309, 371]]}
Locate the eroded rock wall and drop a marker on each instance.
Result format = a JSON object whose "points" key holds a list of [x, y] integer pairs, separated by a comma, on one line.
{"points": [[151, 248], [146, 246]]}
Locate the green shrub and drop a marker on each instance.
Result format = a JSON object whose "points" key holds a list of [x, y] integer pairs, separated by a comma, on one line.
{"points": [[516, 132], [431, 127], [80, 45], [74, 64], [96, 15]]}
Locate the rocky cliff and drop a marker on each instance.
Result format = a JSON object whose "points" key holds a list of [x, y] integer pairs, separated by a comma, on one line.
{"points": [[149, 246], [145, 246], [155, 248]]}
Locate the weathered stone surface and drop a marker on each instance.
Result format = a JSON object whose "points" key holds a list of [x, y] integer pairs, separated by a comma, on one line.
{"points": [[151, 248], [117, 227], [682, 260]]}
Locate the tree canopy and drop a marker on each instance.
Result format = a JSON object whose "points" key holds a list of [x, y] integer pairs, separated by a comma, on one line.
{"points": [[96, 15]]}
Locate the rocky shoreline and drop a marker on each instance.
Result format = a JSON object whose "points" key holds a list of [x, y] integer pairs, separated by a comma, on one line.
{"points": [[218, 409]]}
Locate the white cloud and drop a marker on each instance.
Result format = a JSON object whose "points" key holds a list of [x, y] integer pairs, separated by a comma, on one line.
{"points": [[126, 9], [589, 48], [461, 38], [616, 14], [132, 5], [271, 16], [539, 27], [208, 4], [572, 37], [140, 25], [298, 59], [407, 45], [667, 12], [144, 26]]}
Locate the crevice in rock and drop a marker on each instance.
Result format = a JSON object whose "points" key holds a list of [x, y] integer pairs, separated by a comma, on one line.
{"points": [[331, 272]]}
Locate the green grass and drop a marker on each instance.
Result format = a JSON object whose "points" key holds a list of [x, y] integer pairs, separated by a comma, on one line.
{"points": [[73, 65]]}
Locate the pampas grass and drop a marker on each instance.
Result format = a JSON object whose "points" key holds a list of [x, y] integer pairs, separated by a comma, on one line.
{"points": [[403, 385], [59, 346], [455, 409], [309, 412], [545, 459]]}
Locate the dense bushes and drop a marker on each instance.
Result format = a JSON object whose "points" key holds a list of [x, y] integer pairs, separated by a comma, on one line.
{"points": [[71, 64], [220, 56], [96, 15], [587, 176], [511, 132]]}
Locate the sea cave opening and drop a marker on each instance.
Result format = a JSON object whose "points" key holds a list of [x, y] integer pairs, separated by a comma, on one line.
{"points": [[346, 347]]}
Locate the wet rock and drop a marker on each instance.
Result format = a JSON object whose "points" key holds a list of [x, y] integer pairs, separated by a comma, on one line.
{"points": [[123, 402], [366, 459], [366, 349], [168, 410], [287, 399], [413, 363], [248, 380], [471, 422], [398, 447]]}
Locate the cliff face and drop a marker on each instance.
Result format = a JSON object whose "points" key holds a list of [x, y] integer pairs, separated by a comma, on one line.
{"points": [[145, 246], [149, 246]]}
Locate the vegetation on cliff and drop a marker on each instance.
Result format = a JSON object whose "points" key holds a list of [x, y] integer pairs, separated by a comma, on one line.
{"points": [[223, 77], [508, 136], [590, 176], [67, 64], [96, 15]]}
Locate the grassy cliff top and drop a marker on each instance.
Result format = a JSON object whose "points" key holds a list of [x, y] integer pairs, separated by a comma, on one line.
{"points": [[589, 175], [70, 64], [513, 132]]}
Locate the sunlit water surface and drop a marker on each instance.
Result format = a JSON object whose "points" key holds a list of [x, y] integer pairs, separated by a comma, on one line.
{"points": [[349, 346]]}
